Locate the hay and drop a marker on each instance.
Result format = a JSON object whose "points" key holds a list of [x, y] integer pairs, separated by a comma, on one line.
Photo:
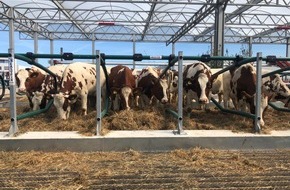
{"points": [[49, 170], [153, 118]]}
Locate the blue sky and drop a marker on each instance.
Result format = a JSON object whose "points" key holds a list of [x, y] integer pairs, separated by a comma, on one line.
{"points": [[126, 48]]}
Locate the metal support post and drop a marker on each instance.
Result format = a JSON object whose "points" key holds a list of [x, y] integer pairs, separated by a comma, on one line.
{"points": [[98, 93], [258, 92], [13, 115], [134, 50], [51, 48], [180, 93], [93, 47]]}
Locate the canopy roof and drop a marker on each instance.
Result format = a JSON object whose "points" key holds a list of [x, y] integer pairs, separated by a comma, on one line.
{"points": [[170, 21]]}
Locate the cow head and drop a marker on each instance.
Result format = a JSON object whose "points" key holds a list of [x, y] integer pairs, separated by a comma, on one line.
{"points": [[201, 85], [159, 89], [251, 99], [29, 80], [38, 100], [21, 76], [63, 103], [275, 85]]}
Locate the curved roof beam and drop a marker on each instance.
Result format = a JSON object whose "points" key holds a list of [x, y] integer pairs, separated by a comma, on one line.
{"points": [[231, 16], [58, 5]]}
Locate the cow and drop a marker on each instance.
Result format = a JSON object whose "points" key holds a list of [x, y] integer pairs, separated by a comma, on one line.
{"points": [[172, 78], [217, 88], [243, 90], [150, 86], [283, 99], [28, 81], [78, 81], [122, 85], [40, 97], [197, 83], [221, 87]]}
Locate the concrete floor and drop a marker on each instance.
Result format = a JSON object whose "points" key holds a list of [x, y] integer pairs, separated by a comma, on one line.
{"points": [[161, 140]]}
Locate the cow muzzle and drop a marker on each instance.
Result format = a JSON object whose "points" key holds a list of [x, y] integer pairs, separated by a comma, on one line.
{"points": [[164, 100], [203, 100]]}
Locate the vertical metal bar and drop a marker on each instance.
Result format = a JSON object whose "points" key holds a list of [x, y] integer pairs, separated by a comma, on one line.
{"points": [[180, 92], [288, 47], [98, 93], [250, 46], [13, 115], [173, 48], [35, 39], [219, 29], [258, 92], [51, 48], [134, 49], [93, 47]]}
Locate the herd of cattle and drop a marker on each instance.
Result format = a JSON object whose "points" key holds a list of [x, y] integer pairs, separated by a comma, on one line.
{"points": [[128, 88]]}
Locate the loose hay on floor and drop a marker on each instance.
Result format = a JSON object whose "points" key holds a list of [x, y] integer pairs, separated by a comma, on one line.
{"points": [[179, 169]]}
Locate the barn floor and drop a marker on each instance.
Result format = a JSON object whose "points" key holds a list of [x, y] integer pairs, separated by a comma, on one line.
{"points": [[178, 169]]}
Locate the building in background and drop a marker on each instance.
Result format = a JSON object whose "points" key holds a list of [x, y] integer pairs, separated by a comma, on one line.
{"points": [[4, 68]]}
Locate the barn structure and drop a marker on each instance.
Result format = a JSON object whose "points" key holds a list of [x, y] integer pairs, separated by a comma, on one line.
{"points": [[215, 22], [257, 165]]}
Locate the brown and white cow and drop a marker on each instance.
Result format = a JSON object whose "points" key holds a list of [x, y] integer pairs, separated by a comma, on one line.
{"points": [[122, 84], [197, 84], [78, 81], [151, 86], [28, 81], [40, 97], [243, 85]]}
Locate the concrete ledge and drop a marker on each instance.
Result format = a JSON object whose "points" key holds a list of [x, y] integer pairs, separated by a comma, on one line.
{"points": [[144, 141]]}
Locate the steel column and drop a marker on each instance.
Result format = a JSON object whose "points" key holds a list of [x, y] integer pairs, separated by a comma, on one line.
{"points": [[219, 29], [93, 47], [13, 115], [98, 93], [250, 46], [180, 93], [35, 39], [51, 48], [258, 92], [288, 47], [134, 49]]}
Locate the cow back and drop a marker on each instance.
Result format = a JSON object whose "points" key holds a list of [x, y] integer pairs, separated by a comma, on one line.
{"points": [[80, 77]]}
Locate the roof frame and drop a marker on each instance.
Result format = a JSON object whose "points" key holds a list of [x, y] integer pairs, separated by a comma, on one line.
{"points": [[168, 21]]}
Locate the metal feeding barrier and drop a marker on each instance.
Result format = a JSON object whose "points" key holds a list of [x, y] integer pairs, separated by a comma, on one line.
{"points": [[101, 62]]}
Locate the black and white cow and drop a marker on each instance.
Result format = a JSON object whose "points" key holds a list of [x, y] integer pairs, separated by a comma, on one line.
{"points": [[197, 84]]}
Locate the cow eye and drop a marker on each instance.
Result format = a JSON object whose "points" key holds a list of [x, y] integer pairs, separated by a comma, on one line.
{"points": [[27, 80]]}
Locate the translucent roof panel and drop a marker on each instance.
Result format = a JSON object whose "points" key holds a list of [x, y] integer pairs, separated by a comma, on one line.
{"points": [[148, 20]]}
